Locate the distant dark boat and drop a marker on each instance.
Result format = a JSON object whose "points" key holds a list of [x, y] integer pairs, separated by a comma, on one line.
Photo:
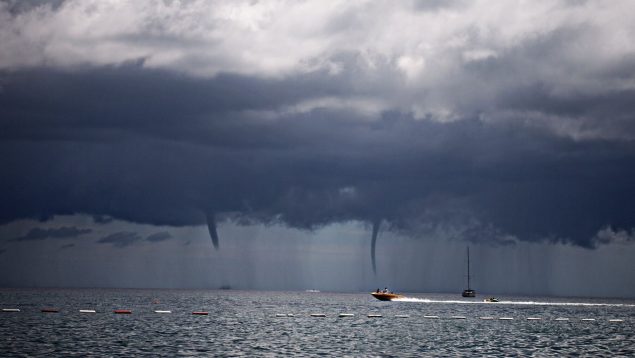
{"points": [[385, 296], [469, 292]]}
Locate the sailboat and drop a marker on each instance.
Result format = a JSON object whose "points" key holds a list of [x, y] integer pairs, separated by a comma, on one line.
{"points": [[469, 292]]}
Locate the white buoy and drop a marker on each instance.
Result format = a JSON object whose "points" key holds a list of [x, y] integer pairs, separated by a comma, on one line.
{"points": [[616, 320], [87, 311], [458, 317], [487, 318], [534, 318], [346, 315], [162, 311], [289, 314], [10, 310], [318, 315], [401, 316], [588, 319], [374, 316], [562, 319], [506, 318], [433, 317]]}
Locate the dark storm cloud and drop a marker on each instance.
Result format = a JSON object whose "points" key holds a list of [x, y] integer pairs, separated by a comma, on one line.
{"points": [[53, 233], [577, 93], [498, 136], [159, 236], [143, 152], [120, 239]]}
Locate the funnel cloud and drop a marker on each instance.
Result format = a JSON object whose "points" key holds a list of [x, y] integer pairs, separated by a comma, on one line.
{"points": [[211, 227], [376, 225]]}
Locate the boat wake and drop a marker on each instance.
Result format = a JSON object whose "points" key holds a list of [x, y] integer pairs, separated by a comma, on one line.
{"points": [[528, 303]]}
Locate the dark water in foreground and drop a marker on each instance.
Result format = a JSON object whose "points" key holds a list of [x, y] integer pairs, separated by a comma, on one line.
{"points": [[244, 323]]}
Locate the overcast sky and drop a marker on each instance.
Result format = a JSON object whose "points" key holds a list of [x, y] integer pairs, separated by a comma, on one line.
{"points": [[131, 131]]}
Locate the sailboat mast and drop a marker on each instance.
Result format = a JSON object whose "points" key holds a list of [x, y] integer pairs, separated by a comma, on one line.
{"points": [[468, 268], [469, 292]]}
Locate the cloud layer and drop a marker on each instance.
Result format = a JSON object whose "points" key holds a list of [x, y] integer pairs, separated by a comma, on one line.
{"points": [[64, 232], [502, 122]]}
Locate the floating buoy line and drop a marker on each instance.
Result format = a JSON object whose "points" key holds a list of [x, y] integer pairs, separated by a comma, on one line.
{"points": [[340, 315]]}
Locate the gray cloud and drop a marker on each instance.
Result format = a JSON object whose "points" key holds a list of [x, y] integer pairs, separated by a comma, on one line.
{"points": [[101, 219], [159, 236], [52, 233], [17, 7], [120, 239], [434, 5], [610, 236]]}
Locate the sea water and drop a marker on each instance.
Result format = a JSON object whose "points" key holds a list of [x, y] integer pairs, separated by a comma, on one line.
{"points": [[252, 323]]}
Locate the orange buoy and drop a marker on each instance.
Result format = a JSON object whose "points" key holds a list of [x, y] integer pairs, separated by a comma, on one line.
{"points": [[122, 311], [200, 313]]}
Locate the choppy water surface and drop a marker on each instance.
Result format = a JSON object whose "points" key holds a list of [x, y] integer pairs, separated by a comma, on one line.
{"points": [[245, 323]]}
